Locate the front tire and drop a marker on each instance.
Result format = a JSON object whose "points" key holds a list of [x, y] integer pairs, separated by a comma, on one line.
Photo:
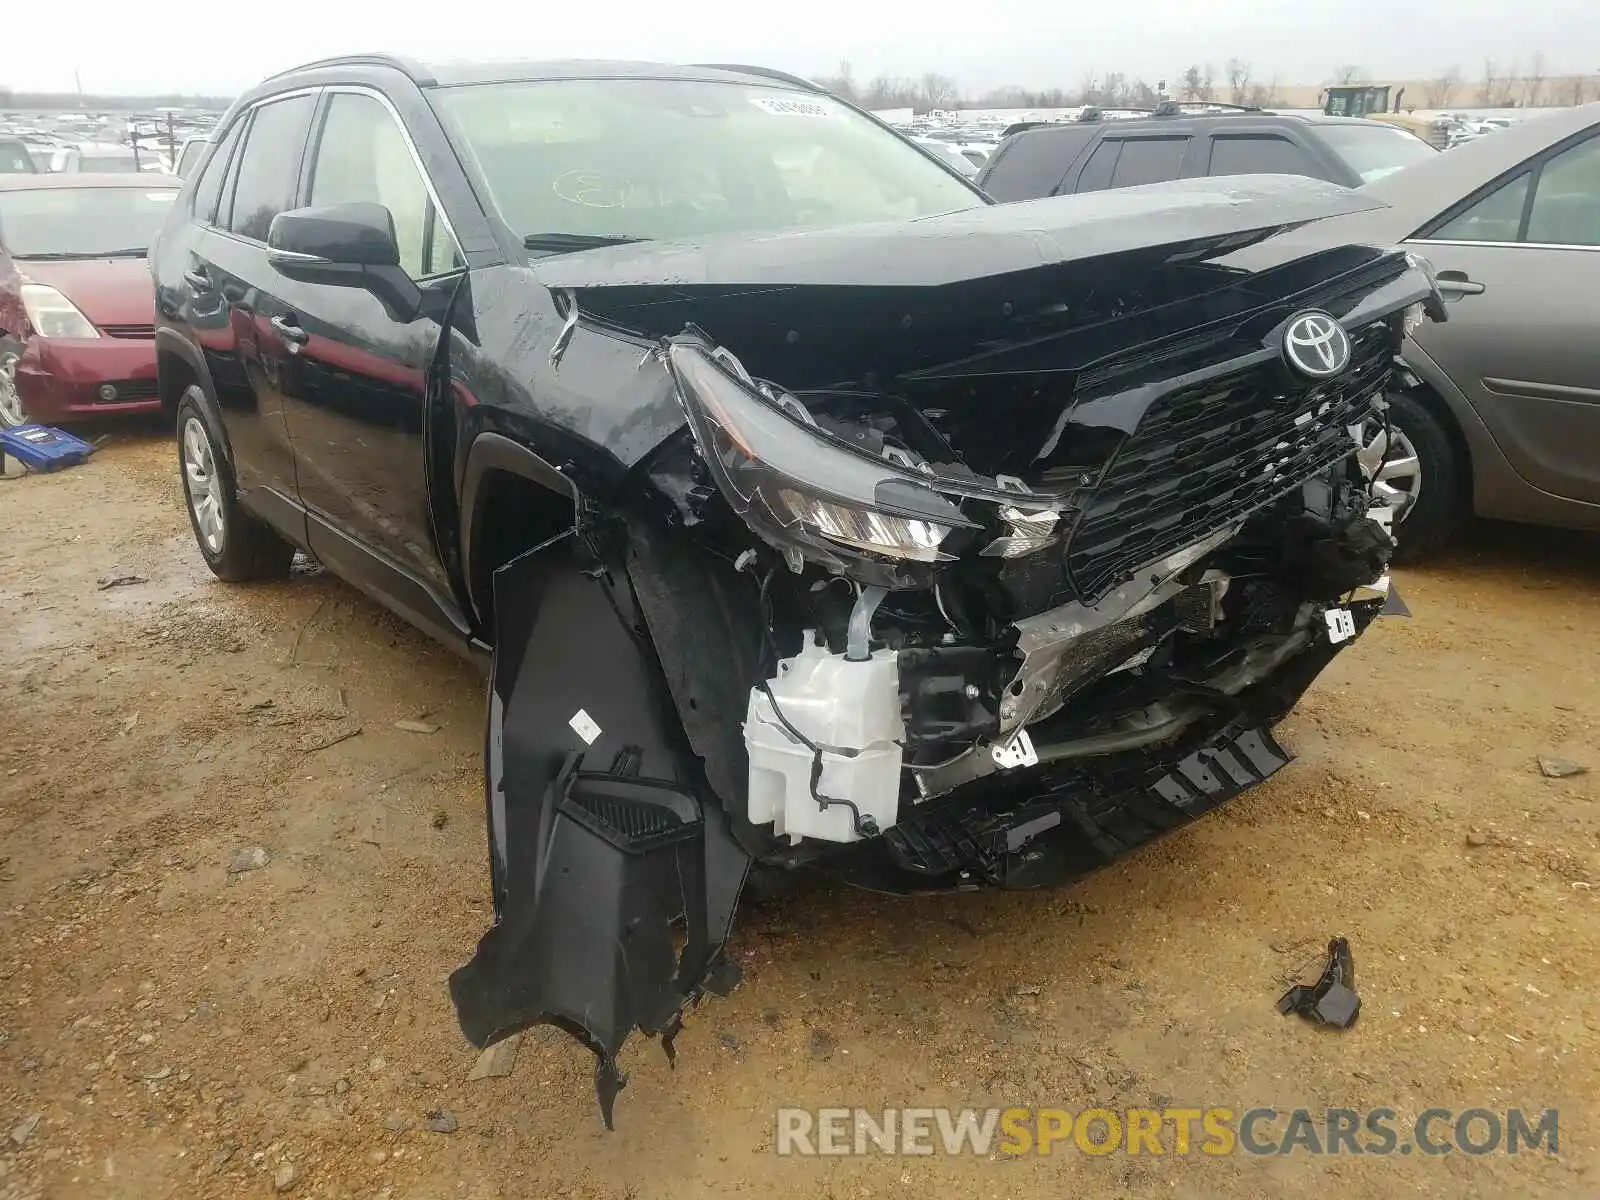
{"points": [[1423, 474], [12, 412], [237, 547]]}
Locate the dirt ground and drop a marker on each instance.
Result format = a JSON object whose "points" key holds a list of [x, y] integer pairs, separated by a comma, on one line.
{"points": [[181, 1030]]}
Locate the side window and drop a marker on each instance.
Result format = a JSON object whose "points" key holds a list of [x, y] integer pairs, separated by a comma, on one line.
{"points": [[362, 155], [1097, 171], [1260, 155], [1149, 160], [1495, 218], [208, 188], [1566, 199], [269, 165], [1032, 165], [1564, 209]]}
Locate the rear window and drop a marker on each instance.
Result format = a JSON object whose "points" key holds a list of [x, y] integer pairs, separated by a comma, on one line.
{"points": [[114, 163], [1149, 160], [1260, 154], [86, 222], [1032, 164], [1373, 151], [14, 159]]}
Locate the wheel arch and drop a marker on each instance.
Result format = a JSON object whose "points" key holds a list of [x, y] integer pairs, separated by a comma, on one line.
{"points": [[180, 366], [499, 474], [1432, 389]]}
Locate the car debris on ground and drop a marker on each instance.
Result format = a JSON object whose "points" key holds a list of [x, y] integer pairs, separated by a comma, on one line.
{"points": [[1332, 999]]}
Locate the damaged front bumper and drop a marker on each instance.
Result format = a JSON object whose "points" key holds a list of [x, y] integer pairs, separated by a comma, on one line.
{"points": [[864, 628]]}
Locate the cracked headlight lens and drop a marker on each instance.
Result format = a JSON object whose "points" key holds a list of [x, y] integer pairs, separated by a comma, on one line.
{"points": [[801, 489]]}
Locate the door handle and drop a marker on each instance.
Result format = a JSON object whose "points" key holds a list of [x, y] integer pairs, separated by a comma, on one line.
{"points": [[198, 280], [1456, 283], [290, 332]]}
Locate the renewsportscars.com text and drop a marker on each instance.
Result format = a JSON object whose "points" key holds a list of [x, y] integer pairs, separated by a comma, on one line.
{"points": [[1211, 1131]]}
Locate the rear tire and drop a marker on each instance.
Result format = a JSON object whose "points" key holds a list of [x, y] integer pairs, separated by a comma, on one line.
{"points": [[1439, 508], [237, 547]]}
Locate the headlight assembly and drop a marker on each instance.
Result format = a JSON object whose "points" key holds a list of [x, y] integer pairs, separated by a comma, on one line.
{"points": [[803, 491], [52, 315]]}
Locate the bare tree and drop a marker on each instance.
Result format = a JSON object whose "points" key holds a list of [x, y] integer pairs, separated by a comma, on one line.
{"points": [[1238, 80], [1208, 82], [1189, 86], [1265, 95], [1533, 82], [1505, 93], [1571, 90], [940, 91], [1488, 89], [1442, 88], [1349, 73], [841, 83]]}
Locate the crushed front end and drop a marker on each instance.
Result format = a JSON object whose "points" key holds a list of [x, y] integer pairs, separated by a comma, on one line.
{"points": [[1020, 575]]}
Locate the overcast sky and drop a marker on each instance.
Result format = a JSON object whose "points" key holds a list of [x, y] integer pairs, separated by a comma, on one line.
{"points": [[122, 47]]}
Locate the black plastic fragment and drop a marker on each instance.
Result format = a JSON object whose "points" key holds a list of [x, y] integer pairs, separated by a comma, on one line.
{"points": [[603, 842], [1332, 1000]]}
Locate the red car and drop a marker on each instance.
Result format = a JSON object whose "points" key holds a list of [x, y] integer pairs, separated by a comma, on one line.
{"points": [[77, 307]]}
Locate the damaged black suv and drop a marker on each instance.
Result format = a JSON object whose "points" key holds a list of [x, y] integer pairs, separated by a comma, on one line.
{"points": [[818, 514]]}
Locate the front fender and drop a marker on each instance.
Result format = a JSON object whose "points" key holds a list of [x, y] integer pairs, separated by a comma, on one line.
{"points": [[599, 837]]}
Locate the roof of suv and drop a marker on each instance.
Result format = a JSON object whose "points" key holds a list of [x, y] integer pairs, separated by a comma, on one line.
{"points": [[455, 73]]}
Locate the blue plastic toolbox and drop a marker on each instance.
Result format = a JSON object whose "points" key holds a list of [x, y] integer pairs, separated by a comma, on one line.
{"points": [[41, 448]]}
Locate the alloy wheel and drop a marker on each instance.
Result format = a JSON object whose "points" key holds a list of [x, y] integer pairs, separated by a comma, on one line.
{"points": [[11, 411], [1387, 453], [203, 484]]}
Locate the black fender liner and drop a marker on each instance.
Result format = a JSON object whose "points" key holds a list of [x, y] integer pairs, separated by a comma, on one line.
{"points": [[599, 840]]}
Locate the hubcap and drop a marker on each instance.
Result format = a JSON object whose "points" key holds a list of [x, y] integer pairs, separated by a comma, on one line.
{"points": [[11, 410], [1397, 471], [204, 486]]}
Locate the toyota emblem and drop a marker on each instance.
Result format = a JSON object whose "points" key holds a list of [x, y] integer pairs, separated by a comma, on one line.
{"points": [[1316, 345]]}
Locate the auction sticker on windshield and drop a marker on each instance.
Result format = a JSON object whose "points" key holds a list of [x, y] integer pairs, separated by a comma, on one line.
{"points": [[787, 106]]}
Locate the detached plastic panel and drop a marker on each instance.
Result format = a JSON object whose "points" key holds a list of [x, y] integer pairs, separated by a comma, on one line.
{"points": [[41, 448]]}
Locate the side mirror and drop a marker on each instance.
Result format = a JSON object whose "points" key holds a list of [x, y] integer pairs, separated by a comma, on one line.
{"points": [[345, 245]]}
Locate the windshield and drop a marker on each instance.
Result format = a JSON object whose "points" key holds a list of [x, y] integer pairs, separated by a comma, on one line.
{"points": [[654, 158], [81, 222], [1374, 151]]}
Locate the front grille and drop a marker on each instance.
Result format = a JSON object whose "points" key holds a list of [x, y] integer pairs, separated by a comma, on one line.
{"points": [[130, 390], [1205, 457], [129, 331]]}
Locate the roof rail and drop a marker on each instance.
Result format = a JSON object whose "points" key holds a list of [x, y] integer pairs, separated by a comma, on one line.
{"points": [[418, 74], [765, 72]]}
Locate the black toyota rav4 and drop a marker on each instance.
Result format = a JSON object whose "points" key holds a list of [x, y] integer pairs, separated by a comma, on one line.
{"points": [[817, 514]]}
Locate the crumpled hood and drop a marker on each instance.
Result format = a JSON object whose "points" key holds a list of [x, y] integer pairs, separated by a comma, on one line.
{"points": [[109, 291], [1193, 218]]}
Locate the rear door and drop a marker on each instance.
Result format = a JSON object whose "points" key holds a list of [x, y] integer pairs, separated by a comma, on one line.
{"points": [[233, 291], [1127, 160], [1521, 259]]}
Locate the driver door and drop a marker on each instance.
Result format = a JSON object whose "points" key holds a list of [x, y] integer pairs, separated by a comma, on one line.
{"points": [[356, 406]]}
